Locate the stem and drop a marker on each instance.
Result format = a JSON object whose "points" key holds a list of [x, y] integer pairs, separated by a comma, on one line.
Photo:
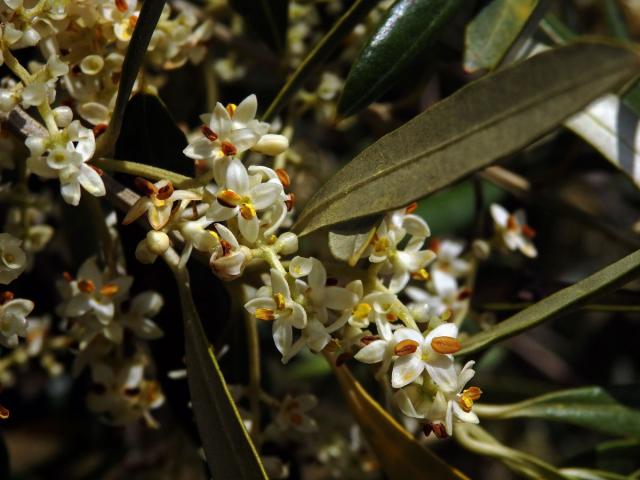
{"points": [[15, 66], [253, 346], [140, 170]]}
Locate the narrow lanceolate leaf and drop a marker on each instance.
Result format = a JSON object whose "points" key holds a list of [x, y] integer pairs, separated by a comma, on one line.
{"points": [[268, 18], [491, 33], [483, 122], [145, 25], [341, 29], [399, 454], [227, 446], [589, 407], [612, 129], [559, 303], [403, 35]]}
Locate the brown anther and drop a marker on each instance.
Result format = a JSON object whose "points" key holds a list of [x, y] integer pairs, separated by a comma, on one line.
{"points": [[474, 393], [367, 339], [411, 207], [209, 134], [6, 297], [445, 345], [391, 317], [228, 198], [165, 192], [67, 276], [283, 176], [296, 418], [99, 129], [122, 5], [265, 314], [464, 294], [226, 247], [527, 231], [133, 19], [109, 290], [231, 109], [4, 412], [333, 346], [434, 245], [98, 170], [228, 149], [406, 347], [439, 430], [512, 223], [86, 286], [343, 358], [331, 282], [145, 187], [290, 201]]}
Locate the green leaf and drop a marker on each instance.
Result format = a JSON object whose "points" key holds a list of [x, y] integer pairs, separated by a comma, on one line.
{"points": [[559, 303], [227, 446], [491, 33], [588, 407], [615, 20], [151, 136], [483, 122], [146, 24], [268, 18], [403, 35], [343, 27], [399, 454], [349, 244], [589, 474]]}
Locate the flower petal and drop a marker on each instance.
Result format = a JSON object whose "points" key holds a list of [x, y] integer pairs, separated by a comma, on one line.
{"points": [[406, 370]]}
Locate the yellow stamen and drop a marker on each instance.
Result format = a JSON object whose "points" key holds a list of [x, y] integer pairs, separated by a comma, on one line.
{"points": [[280, 300], [229, 198], [265, 314], [469, 396], [165, 192], [109, 290], [247, 211], [231, 109], [361, 311], [445, 345], [421, 274]]}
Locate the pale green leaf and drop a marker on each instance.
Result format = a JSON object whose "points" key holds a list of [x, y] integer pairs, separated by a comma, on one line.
{"points": [[227, 446], [588, 407], [487, 120], [491, 33], [557, 304]]}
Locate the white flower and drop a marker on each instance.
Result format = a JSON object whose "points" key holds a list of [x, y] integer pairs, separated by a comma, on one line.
{"points": [[94, 293], [12, 258], [138, 317], [229, 257], [293, 414], [122, 395], [157, 202], [401, 264], [242, 197], [454, 405], [13, 320], [513, 230], [228, 131], [65, 156], [280, 308]]}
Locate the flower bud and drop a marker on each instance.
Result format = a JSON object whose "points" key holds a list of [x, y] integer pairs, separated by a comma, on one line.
{"points": [[8, 100], [271, 144], [157, 242], [143, 254], [287, 243], [63, 116], [91, 64], [481, 249]]}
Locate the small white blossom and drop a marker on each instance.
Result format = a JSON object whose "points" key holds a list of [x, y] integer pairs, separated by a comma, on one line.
{"points": [[292, 414], [513, 230], [13, 320], [229, 257], [12, 258]]}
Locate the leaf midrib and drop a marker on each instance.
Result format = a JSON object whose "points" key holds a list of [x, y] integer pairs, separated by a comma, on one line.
{"points": [[383, 172]]}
